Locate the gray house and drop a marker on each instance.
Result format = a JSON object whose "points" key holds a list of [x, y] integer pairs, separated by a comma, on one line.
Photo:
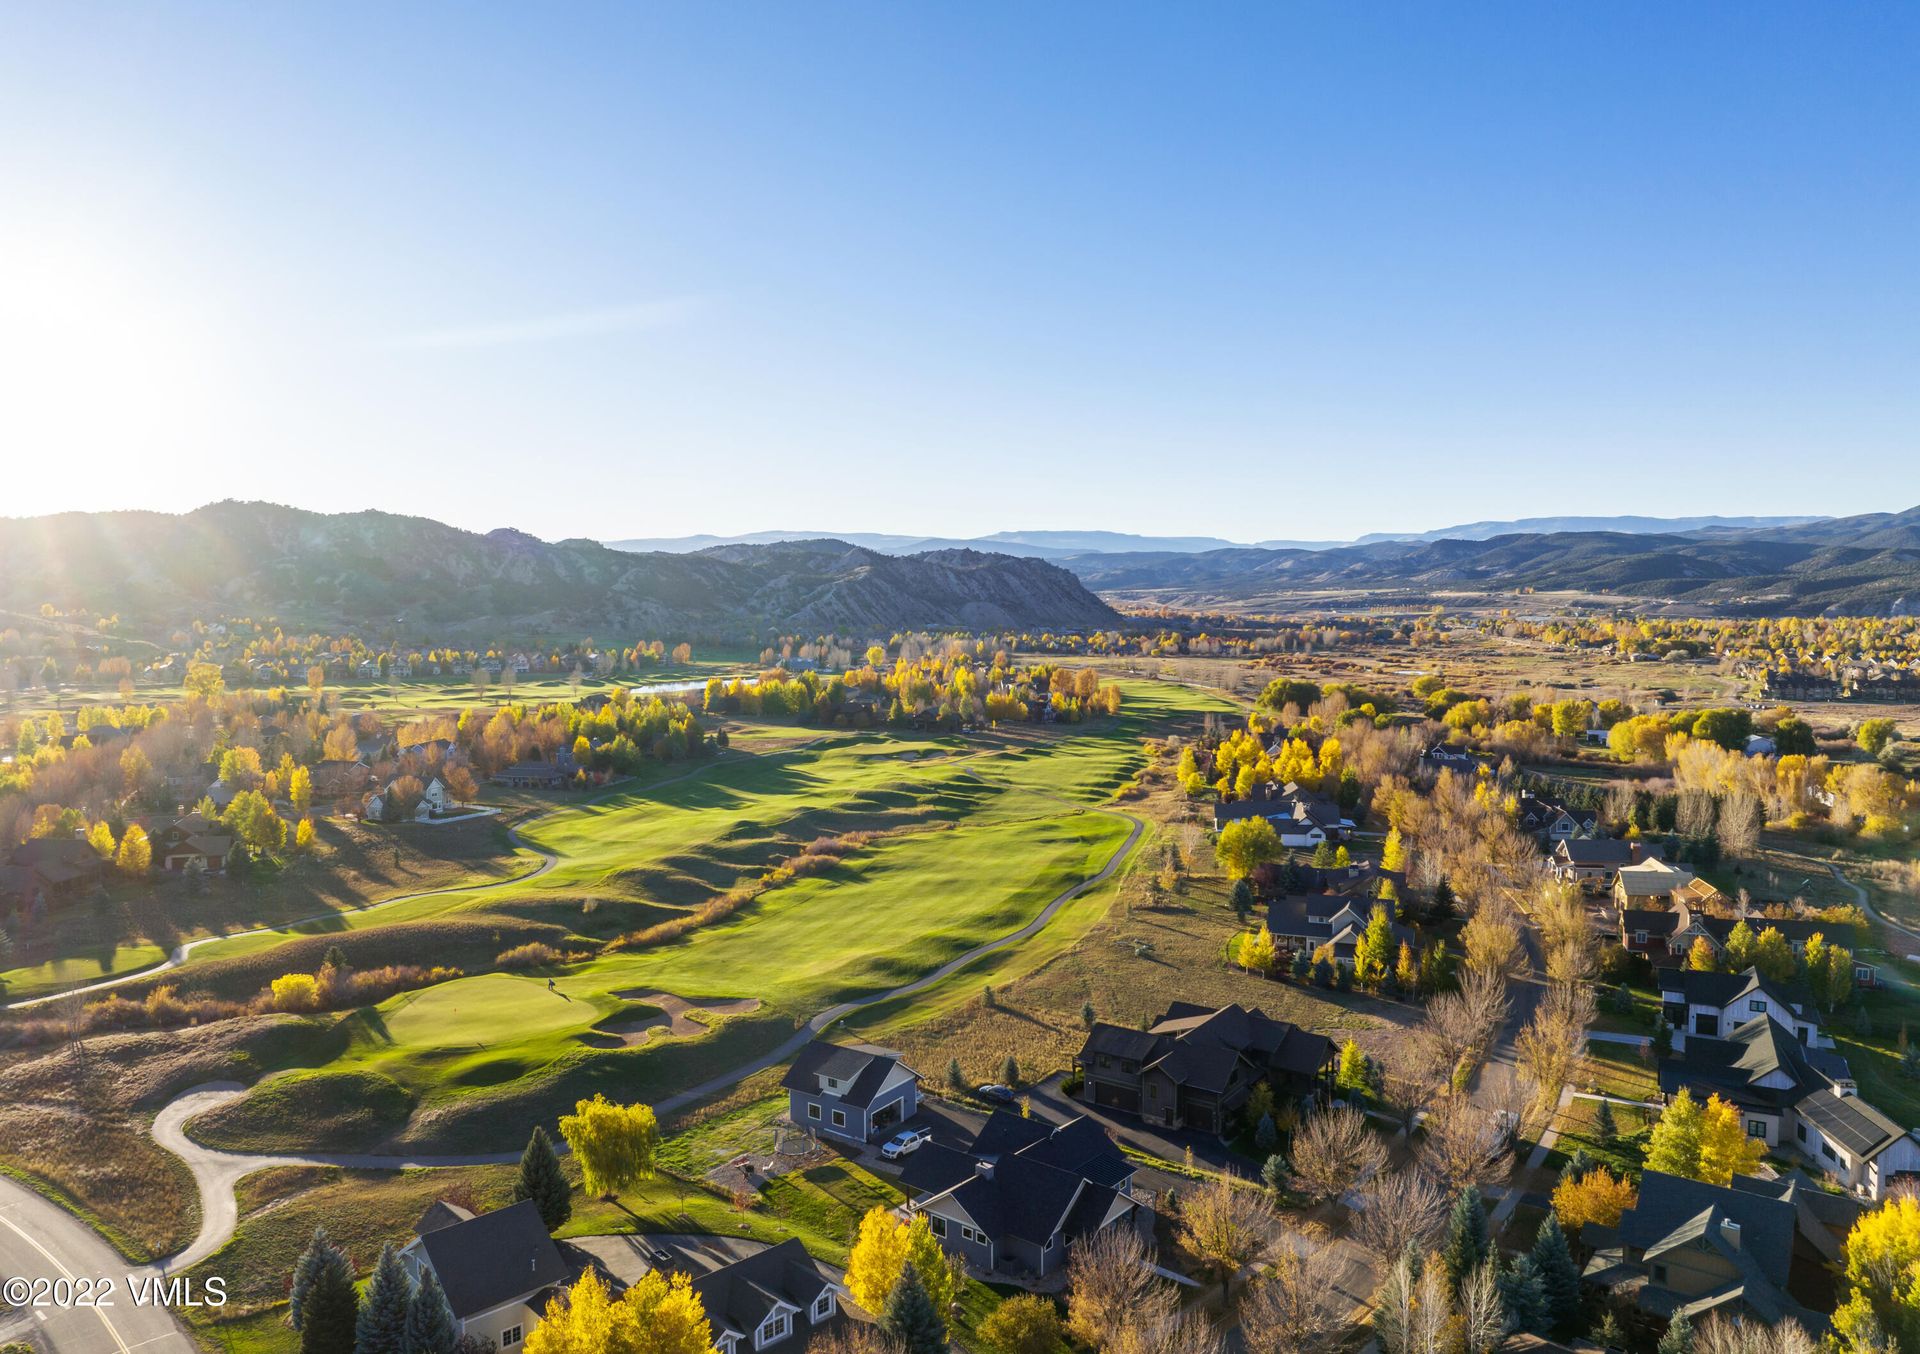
{"points": [[857, 1093], [768, 1298], [499, 1269], [1023, 1192], [1196, 1066]]}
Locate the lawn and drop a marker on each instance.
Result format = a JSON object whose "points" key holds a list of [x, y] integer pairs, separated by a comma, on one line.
{"points": [[1619, 1070]]}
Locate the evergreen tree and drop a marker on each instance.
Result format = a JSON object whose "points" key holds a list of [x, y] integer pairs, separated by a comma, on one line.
{"points": [[541, 1180], [910, 1317], [1266, 1134], [1609, 1334], [430, 1325], [1524, 1296], [1302, 965], [331, 1310], [1467, 1244], [382, 1326], [956, 1079], [1274, 1173], [320, 1253], [1442, 908], [1679, 1336], [1604, 1127], [1577, 1165], [1559, 1276], [1242, 897], [1010, 1071], [1087, 1016]]}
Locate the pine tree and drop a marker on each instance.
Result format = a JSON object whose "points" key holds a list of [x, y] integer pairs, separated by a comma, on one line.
{"points": [[1266, 1134], [956, 1079], [320, 1253], [1010, 1071], [430, 1325], [331, 1310], [382, 1326], [1274, 1173], [1087, 1016], [910, 1317], [1242, 897], [1559, 1276], [1608, 1333], [1678, 1338], [1524, 1296], [542, 1181], [1467, 1244], [1604, 1128]]}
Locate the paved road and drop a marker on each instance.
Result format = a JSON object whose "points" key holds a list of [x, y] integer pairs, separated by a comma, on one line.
{"points": [[38, 1239], [216, 1172]]}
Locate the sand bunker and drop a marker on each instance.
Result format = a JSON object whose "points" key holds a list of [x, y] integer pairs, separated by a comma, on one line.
{"points": [[673, 1017]]}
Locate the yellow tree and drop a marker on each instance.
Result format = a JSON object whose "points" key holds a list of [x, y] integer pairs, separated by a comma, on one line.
{"points": [[614, 1144], [1256, 951], [1701, 957], [303, 836], [135, 855], [877, 1259], [1882, 1271], [300, 791], [1674, 1146], [1246, 844], [100, 838], [1393, 852], [1597, 1196], [1725, 1148]]}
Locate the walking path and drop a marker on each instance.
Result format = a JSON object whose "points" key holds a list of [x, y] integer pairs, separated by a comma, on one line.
{"points": [[215, 1172]]}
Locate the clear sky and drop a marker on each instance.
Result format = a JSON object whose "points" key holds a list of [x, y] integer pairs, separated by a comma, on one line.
{"points": [[1261, 270]]}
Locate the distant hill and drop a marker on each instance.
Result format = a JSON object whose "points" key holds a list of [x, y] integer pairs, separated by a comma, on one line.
{"points": [[1865, 565], [1067, 544], [315, 569]]}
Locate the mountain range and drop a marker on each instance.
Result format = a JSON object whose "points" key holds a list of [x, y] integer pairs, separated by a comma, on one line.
{"points": [[1068, 544], [317, 570]]}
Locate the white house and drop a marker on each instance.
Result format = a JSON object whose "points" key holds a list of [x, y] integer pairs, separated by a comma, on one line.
{"points": [[1714, 1005]]}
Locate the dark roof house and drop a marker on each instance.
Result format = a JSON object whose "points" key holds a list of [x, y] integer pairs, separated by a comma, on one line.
{"points": [[496, 1268], [767, 1297], [850, 1091], [1196, 1065]]}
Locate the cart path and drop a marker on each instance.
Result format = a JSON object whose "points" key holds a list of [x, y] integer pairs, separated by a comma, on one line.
{"points": [[216, 1172]]}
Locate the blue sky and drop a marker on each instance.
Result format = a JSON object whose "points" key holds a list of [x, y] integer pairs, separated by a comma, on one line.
{"points": [[1253, 271]]}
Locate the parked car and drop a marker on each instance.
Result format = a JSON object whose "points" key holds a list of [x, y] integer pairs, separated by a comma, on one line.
{"points": [[1000, 1095], [905, 1142]]}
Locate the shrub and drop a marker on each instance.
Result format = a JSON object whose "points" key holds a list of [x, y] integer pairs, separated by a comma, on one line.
{"points": [[534, 954], [296, 992]]}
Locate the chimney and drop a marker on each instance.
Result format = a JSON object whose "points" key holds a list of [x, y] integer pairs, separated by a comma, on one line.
{"points": [[1843, 1089], [983, 1168], [1730, 1232]]}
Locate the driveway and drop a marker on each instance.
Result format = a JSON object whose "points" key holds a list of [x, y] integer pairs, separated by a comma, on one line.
{"points": [[40, 1240]]}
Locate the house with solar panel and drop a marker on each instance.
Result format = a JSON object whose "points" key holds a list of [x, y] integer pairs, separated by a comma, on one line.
{"points": [[1023, 1191], [856, 1093], [1795, 1097]]}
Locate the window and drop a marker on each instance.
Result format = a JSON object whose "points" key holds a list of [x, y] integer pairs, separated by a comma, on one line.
{"points": [[1639, 937], [936, 1224], [1757, 1006], [1800, 1132], [1826, 1150], [968, 1234], [832, 1085], [823, 1306], [839, 1118], [1153, 1090], [510, 1337], [1659, 1273], [776, 1328], [813, 1111], [1756, 1128]]}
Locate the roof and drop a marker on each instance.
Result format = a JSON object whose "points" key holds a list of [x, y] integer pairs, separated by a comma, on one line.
{"points": [[1596, 852], [1753, 1229], [860, 1071], [441, 1214], [1654, 921], [494, 1258], [1026, 1179], [1755, 1050], [1704, 988], [1649, 878], [1851, 1122], [741, 1295]]}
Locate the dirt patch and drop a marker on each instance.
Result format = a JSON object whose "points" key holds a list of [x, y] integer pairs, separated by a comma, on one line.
{"points": [[674, 1016]]}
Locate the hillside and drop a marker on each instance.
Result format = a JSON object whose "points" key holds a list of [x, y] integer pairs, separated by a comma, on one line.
{"points": [[1867, 565], [314, 569]]}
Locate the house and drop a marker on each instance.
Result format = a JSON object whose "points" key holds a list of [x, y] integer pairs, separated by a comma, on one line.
{"points": [[768, 1298], [340, 780], [1302, 819], [1647, 881], [1759, 745], [1715, 1004], [1553, 821], [856, 1093], [535, 775], [1789, 1094], [1309, 921], [499, 1270], [1440, 755], [1196, 1066], [220, 794], [1023, 1192], [1666, 937], [1753, 1249], [59, 866], [1592, 862], [193, 843]]}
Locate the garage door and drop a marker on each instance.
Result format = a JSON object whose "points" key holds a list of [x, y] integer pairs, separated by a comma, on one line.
{"points": [[1116, 1097]]}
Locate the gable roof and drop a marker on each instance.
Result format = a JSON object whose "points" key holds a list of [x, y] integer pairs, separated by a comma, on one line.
{"points": [[1673, 1211], [1596, 852], [1755, 1050], [741, 1295], [1027, 1179], [860, 1071], [1851, 1122], [1650, 878], [494, 1258], [1699, 987]]}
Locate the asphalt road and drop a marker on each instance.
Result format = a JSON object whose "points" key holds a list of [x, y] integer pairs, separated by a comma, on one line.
{"points": [[39, 1240]]}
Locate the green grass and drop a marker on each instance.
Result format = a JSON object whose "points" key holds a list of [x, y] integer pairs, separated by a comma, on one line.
{"points": [[981, 834], [1618, 1070]]}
